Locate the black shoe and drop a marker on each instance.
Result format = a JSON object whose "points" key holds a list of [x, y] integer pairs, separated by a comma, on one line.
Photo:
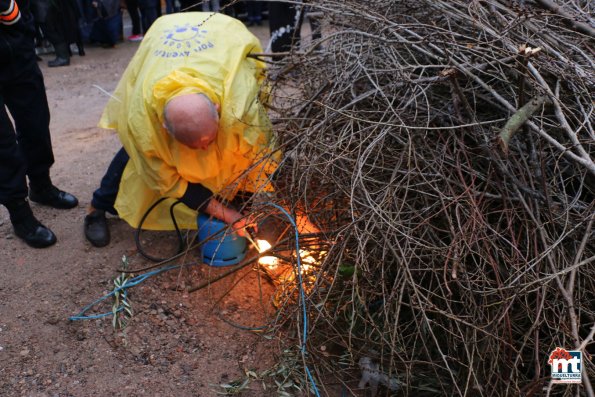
{"points": [[53, 197], [59, 62], [34, 233], [96, 230]]}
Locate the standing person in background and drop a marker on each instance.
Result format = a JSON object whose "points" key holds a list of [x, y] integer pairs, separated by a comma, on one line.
{"points": [[133, 12], [25, 147], [39, 9], [142, 14], [210, 5], [62, 29], [172, 6], [254, 10], [149, 12], [107, 25]]}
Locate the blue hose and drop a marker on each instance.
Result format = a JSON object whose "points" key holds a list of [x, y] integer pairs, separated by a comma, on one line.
{"points": [[140, 278]]}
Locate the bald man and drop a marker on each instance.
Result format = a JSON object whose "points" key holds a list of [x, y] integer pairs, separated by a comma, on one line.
{"points": [[188, 113]]}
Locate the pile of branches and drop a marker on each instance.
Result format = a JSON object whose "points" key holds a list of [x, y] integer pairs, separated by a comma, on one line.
{"points": [[445, 148]]}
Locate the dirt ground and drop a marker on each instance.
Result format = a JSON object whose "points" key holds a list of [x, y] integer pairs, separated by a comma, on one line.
{"points": [[177, 343]]}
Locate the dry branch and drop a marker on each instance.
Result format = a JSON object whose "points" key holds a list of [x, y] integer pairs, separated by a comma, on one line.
{"points": [[467, 269], [517, 120]]}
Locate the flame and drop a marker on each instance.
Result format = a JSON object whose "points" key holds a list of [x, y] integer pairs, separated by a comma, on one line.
{"points": [[269, 261], [307, 260], [263, 245]]}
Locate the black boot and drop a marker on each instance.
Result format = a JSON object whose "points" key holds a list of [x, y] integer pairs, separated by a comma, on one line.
{"points": [[96, 229], [62, 56], [51, 196], [27, 227], [81, 47]]}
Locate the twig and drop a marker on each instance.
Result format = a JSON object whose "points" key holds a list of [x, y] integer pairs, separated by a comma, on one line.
{"points": [[517, 120]]}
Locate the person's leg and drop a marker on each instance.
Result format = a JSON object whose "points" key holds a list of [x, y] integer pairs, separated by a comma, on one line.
{"points": [[169, 6], [13, 169], [55, 35], [13, 182], [113, 29], [26, 100], [254, 10], [148, 12], [132, 8], [104, 198]]}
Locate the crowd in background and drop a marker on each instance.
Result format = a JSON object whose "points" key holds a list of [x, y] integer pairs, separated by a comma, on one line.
{"points": [[62, 23]]}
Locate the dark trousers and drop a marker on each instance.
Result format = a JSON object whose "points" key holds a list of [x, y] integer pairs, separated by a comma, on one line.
{"points": [[148, 14], [104, 198], [26, 147], [132, 8], [254, 10]]}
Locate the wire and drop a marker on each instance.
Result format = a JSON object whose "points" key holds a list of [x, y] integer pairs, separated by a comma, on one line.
{"points": [[129, 284], [138, 230], [302, 293], [140, 278]]}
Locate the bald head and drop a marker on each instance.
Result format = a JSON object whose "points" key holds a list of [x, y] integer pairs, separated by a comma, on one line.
{"points": [[192, 120]]}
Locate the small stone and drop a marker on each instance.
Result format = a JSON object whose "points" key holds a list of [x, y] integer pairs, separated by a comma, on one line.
{"points": [[135, 350], [24, 352]]}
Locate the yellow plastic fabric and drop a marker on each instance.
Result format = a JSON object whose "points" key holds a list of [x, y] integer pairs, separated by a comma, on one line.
{"points": [[186, 53]]}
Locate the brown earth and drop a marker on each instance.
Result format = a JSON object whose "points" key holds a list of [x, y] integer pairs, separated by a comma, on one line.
{"points": [[177, 343]]}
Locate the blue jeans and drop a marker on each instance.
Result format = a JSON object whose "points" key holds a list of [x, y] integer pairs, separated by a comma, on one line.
{"points": [[104, 198]]}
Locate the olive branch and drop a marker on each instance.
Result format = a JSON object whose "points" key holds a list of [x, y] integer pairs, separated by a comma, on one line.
{"points": [[121, 308]]}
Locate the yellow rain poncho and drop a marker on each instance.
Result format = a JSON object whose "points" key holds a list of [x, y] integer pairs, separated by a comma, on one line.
{"points": [[189, 53]]}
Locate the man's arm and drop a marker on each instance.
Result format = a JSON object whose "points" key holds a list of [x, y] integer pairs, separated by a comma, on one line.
{"points": [[201, 199], [228, 215], [9, 12]]}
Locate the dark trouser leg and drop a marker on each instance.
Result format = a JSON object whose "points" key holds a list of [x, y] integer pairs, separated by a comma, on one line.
{"points": [[13, 167], [104, 198], [254, 9], [148, 16], [26, 100], [132, 7]]}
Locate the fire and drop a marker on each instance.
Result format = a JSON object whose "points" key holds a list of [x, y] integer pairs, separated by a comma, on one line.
{"points": [[269, 261], [307, 260]]}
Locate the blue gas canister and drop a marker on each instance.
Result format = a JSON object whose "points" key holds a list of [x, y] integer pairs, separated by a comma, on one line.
{"points": [[223, 248]]}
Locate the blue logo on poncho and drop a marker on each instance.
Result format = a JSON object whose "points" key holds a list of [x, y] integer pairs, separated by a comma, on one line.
{"points": [[183, 41]]}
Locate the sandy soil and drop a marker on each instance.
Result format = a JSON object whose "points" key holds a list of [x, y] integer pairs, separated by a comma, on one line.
{"points": [[176, 344]]}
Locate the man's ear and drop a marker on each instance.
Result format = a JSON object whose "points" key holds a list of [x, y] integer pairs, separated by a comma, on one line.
{"points": [[218, 107]]}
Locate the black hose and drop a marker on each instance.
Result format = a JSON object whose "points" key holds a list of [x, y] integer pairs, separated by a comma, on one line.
{"points": [[181, 244]]}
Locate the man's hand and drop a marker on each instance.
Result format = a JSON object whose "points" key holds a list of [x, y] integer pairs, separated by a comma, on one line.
{"points": [[232, 217], [244, 223]]}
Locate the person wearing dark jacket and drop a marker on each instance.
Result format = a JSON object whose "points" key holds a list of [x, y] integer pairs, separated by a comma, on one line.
{"points": [[25, 148], [62, 29]]}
